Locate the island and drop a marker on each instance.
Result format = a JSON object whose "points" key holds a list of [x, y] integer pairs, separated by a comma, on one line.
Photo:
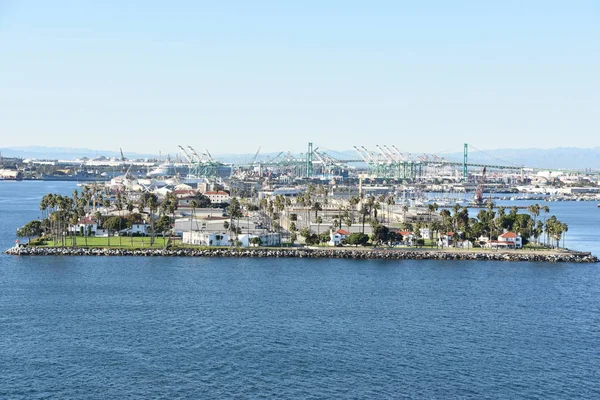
{"points": [[208, 219]]}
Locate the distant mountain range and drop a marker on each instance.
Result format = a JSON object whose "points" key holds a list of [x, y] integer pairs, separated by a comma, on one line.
{"points": [[561, 157]]}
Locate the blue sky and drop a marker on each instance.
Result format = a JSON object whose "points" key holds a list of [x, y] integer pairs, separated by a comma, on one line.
{"points": [[232, 75]]}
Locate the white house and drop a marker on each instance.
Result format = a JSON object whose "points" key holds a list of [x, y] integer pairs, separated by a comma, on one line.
{"points": [[266, 239], [511, 239], [136, 229], [88, 224], [202, 238], [407, 237], [337, 237], [218, 197], [446, 239]]}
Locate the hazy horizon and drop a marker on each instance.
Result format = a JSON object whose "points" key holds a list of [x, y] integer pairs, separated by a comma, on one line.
{"points": [[426, 77]]}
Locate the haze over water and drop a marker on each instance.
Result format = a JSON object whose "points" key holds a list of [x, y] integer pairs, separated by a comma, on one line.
{"points": [[85, 327]]}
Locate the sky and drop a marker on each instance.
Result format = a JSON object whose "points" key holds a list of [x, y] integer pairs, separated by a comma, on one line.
{"points": [[230, 76]]}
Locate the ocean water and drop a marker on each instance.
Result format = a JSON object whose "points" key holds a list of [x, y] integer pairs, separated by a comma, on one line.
{"points": [[85, 327]]}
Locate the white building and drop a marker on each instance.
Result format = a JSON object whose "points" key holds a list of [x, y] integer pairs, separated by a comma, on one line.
{"points": [[266, 239], [218, 197], [511, 239], [87, 225], [508, 240], [136, 229], [201, 238], [336, 238]]}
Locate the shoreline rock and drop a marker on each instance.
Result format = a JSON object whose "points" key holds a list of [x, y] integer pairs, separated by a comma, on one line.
{"points": [[372, 254]]}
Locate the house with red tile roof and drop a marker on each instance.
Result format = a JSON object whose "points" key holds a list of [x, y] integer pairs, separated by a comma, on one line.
{"points": [[338, 236], [512, 239], [508, 240]]}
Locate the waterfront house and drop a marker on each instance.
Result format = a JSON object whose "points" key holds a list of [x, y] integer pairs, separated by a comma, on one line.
{"points": [[85, 225], [203, 238], [266, 239], [446, 239], [337, 237], [136, 229], [512, 239], [407, 237]]}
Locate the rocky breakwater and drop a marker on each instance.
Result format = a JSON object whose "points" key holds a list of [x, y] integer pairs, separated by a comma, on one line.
{"points": [[381, 254]]}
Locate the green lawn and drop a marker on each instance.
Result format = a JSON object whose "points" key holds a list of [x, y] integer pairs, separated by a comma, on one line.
{"points": [[126, 242]]}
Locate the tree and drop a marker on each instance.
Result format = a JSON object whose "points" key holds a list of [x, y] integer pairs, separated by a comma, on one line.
{"points": [[546, 210], [114, 224], [31, 229], [256, 241], [324, 237], [380, 234], [364, 211], [404, 211], [312, 239], [319, 221], [150, 200], [305, 232], [235, 211], [193, 206], [163, 224], [358, 239]]}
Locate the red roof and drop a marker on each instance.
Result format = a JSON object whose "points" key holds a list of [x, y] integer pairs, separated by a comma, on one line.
{"points": [[508, 235], [404, 233], [222, 193], [86, 221], [343, 232]]}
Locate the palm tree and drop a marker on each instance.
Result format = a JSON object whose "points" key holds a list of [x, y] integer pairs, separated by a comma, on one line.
{"points": [[546, 210], [319, 221], [404, 211], [390, 201], [534, 210], [364, 211], [193, 206], [565, 229], [431, 208], [316, 207]]}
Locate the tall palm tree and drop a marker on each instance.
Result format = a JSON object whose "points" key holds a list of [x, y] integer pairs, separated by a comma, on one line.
{"points": [[106, 205], [319, 221], [565, 229], [390, 201], [534, 210], [316, 207], [354, 200], [546, 210], [193, 206]]}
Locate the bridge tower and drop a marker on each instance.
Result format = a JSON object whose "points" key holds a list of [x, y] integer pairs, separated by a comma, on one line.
{"points": [[465, 175]]}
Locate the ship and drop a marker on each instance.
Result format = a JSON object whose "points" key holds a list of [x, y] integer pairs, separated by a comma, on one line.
{"points": [[79, 176]]}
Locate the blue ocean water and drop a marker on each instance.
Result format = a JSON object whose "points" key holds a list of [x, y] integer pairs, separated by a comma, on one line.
{"points": [[85, 327]]}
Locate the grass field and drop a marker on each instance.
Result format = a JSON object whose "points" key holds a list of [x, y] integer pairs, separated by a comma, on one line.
{"points": [[116, 242]]}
